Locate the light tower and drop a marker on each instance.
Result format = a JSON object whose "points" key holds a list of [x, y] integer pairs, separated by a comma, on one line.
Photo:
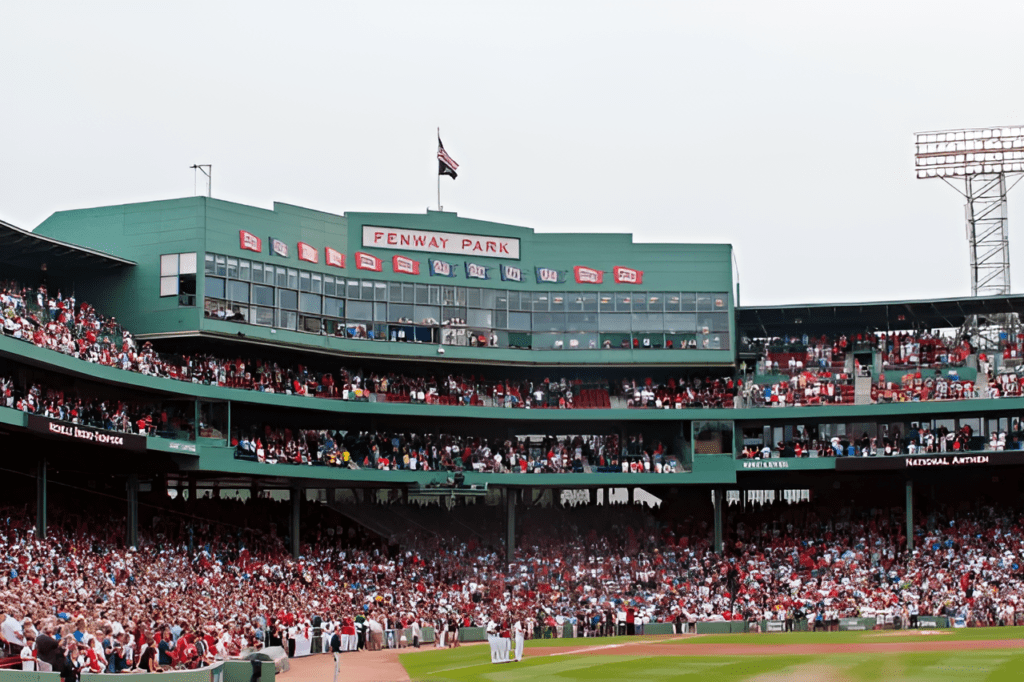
{"points": [[982, 164]]}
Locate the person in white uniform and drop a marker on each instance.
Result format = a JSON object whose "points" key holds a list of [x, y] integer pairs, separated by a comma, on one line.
{"points": [[492, 639], [520, 634], [440, 630], [504, 641]]}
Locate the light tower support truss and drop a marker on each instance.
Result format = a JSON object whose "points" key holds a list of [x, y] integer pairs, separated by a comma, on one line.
{"points": [[987, 234], [982, 164]]}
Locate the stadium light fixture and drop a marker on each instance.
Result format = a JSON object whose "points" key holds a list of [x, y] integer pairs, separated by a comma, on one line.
{"points": [[974, 151], [982, 164]]}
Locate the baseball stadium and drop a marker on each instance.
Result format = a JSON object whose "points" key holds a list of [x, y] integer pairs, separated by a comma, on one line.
{"points": [[244, 443]]}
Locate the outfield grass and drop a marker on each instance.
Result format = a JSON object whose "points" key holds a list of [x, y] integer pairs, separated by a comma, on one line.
{"points": [[471, 664], [950, 635], [968, 666]]}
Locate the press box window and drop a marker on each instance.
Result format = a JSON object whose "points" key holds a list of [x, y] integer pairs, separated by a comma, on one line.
{"points": [[178, 277]]}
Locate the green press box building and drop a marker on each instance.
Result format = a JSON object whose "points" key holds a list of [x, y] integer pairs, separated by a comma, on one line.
{"points": [[438, 294], [295, 276]]}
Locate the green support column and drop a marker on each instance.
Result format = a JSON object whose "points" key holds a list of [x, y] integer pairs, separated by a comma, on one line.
{"points": [[718, 519], [132, 536], [510, 538], [296, 505], [192, 488], [41, 499], [910, 516]]}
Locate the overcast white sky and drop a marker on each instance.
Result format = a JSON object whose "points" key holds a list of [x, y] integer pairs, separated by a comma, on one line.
{"points": [[782, 128]]}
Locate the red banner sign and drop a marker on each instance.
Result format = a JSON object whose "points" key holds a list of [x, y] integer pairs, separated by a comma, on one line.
{"points": [[627, 275], [334, 257], [406, 266], [308, 253], [586, 275], [249, 241], [365, 261]]}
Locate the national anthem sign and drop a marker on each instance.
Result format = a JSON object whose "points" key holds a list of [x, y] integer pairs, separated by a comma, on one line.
{"points": [[86, 434], [944, 461], [451, 243]]}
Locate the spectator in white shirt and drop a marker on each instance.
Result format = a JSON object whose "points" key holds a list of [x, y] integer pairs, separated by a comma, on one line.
{"points": [[28, 654], [12, 633]]}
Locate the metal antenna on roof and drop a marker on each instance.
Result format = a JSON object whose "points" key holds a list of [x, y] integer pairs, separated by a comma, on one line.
{"points": [[207, 170]]}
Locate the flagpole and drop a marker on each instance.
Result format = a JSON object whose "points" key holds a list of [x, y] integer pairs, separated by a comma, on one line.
{"points": [[439, 175]]}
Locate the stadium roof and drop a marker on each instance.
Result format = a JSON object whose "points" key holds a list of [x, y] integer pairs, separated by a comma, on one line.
{"points": [[27, 249], [816, 318]]}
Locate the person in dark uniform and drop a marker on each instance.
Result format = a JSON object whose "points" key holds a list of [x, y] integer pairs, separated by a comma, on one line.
{"points": [[48, 650], [276, 634], [336, 640], [453, 630], [361, 631]]}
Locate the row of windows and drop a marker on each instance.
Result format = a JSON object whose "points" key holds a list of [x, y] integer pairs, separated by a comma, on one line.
{"points": [[383, 329], [432, 315], [242, 271]]}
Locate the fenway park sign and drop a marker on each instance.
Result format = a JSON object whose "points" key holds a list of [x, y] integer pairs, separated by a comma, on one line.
{"points": [[86, 434], [452, 243]]}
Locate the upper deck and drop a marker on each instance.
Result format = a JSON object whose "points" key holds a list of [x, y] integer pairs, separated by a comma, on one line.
{"points": [[407, 286]]}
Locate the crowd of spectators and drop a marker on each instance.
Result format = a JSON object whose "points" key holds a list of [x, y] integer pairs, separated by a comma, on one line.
{"points": [[1008, 383], [399, 451], [59, 323], [471, 390], [793, 370], [190, 598], [820, 387], [802, 370], [352, 449], [108, 414], [794, 354], [918, 385], [684, 392], [923, 349], [929, 349], [921, 440]]}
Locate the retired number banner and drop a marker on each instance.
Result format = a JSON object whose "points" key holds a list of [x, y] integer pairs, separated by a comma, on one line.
{"points": [[308, 253], [334, 257], [365, 261], [585, 275], [405, 266]]}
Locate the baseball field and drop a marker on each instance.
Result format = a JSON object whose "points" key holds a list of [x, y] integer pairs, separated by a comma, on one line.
{"points": [[926, 655]]}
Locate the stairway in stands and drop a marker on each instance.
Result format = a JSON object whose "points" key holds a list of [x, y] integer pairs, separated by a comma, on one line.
{"points": [[391, 521], [862, 390], [981, 381]]}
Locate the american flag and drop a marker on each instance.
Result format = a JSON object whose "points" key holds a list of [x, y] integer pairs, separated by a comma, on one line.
{"points": [[446, 164]]}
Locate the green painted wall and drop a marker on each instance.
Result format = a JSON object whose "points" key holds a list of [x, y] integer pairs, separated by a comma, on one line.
{"points": [[138, 232], [241, 671], [23, 676]]}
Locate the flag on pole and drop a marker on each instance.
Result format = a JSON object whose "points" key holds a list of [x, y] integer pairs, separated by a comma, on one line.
{"points": [[445, 164]]}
